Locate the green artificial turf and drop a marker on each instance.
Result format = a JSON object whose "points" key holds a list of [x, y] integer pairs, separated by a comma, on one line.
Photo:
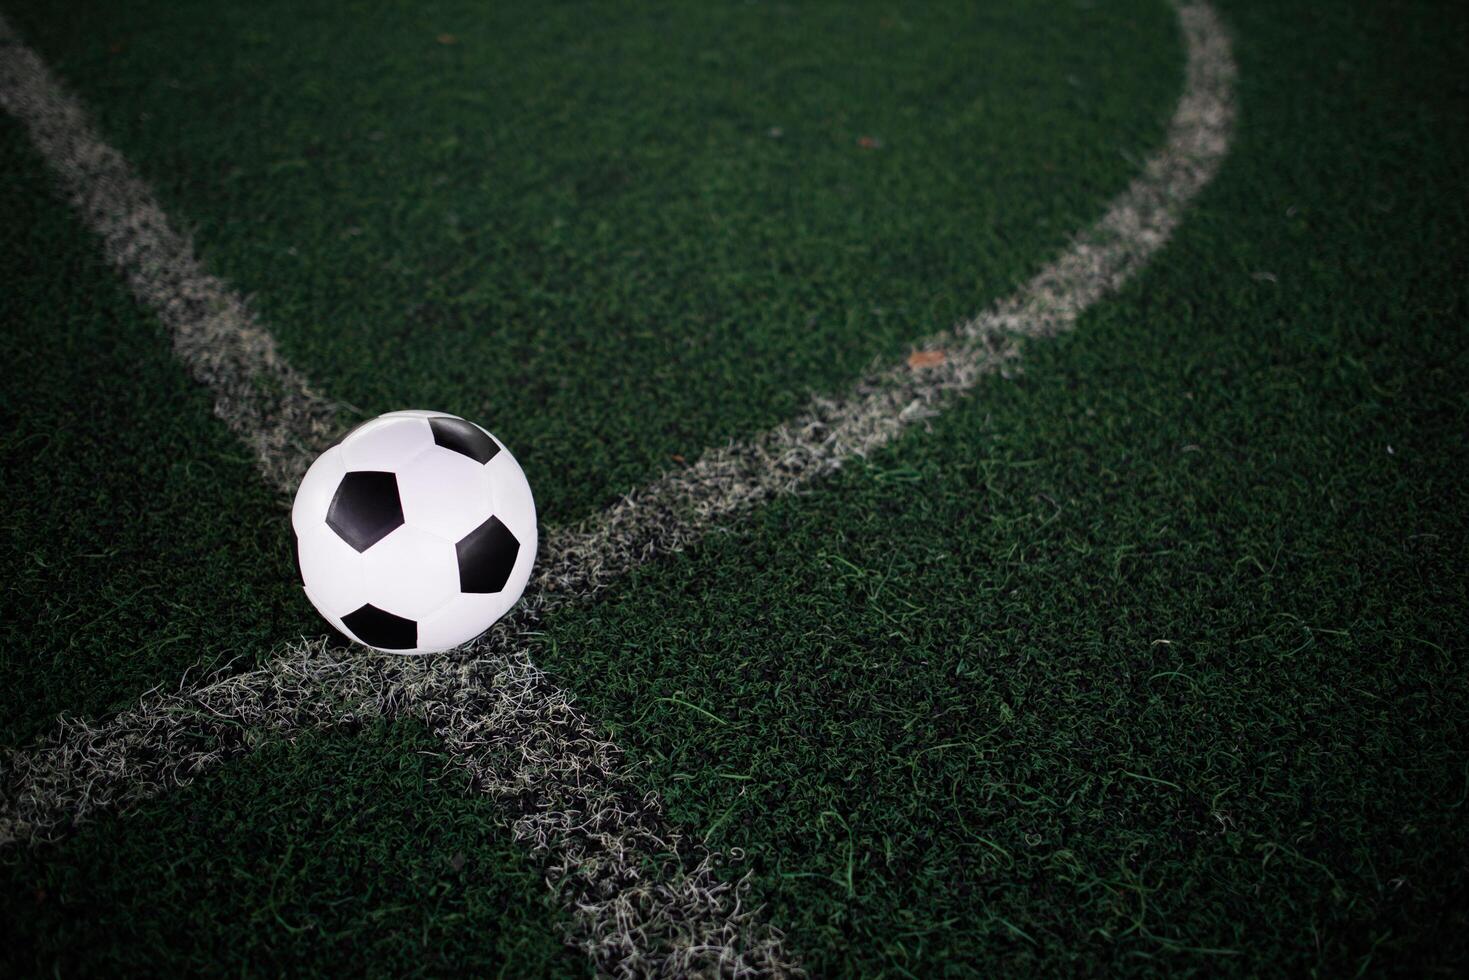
{"points": [[350, 853], [573, 223], [1147, 661]]}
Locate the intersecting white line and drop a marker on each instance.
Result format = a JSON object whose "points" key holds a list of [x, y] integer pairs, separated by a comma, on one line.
{"points": [[645, 898]]}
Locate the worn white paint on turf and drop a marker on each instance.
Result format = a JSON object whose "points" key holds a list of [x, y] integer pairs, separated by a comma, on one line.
{"points": [[645, 899], [643, 896]]}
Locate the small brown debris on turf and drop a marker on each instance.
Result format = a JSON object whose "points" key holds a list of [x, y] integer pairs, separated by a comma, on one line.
{"points": [[920, 359], [678, 458], [447, 39], [869, 142]]}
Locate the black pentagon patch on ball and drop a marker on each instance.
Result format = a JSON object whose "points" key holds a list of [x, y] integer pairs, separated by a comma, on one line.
{"points": [[378, 628], [366, 508], [465, 438], [486, 556]]}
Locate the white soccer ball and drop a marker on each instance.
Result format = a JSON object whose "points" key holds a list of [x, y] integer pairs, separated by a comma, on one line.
{"points": [[415, 532]]}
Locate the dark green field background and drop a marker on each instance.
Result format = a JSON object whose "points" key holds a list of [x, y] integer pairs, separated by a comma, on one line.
{"points": [[1149, 660]]}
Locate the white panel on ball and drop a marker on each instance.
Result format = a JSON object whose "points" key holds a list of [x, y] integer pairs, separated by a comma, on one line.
{"points": [[387, 445], [387, 417], [412, 413], [513, 502], [411, 573], [331, 571], [445, 493], [318, 486], [335, 621], [516, 509], [466, 617]]}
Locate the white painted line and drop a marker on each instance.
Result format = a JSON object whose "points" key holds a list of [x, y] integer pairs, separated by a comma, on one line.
{"points": [[646, 900], [643, 897]]}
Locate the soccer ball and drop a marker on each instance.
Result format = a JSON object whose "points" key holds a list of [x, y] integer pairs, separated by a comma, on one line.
{"points": [[415, 532]]}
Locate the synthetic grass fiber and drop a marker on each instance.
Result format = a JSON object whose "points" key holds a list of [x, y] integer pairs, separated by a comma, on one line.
{"points": [[1148, 660]]}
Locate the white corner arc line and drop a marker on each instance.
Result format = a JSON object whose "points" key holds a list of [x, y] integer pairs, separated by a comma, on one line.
{"points": [[676, 509], [489, 702]]}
